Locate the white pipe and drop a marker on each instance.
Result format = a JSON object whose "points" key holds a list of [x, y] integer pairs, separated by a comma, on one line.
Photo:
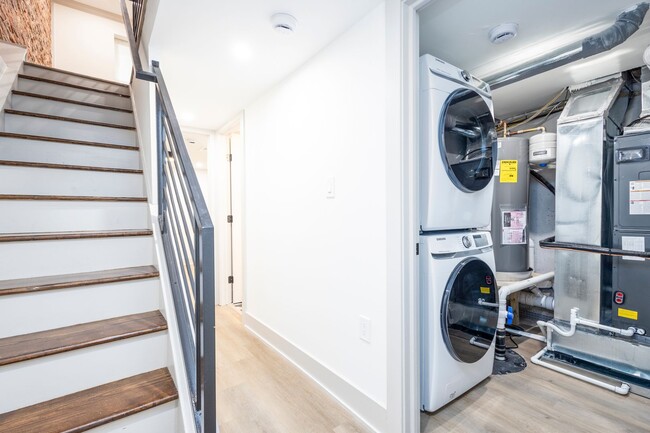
{"points": [[526, 334], [506, 291], [534, 300], [575, 320], [474, 342], [623, 332], [623, 389]]}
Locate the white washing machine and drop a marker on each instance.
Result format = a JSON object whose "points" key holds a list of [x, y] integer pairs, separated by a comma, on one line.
{"points": [[458, 148], [458, 316]]}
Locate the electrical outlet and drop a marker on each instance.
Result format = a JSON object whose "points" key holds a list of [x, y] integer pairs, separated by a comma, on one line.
{"points": [[364, 328]]}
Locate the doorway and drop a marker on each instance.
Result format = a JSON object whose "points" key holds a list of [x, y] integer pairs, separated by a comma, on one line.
{"points": [[235, 217]]}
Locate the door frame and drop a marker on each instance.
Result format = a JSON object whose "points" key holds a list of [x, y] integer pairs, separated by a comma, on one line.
{"points": [[402, 69], [234, 126]]}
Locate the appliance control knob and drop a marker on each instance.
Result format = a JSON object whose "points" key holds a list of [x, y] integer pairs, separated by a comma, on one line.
{"points": [[467, 242], [466, 76]]}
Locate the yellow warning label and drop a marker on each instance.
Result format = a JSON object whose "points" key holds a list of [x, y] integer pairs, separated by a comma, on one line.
{"points": [[628, 314], [485, 290], [508, 171]]}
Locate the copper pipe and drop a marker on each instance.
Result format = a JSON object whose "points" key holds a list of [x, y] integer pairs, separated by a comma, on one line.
{"points": [[524, 131]]}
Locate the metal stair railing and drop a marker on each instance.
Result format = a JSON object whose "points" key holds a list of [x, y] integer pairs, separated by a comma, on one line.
{"points": [[187, 235]]}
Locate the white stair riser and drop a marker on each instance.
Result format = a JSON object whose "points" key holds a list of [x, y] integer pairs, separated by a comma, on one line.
{"points": [[42, 258], [73, 79], [53, 376], [160, 419], [71, 130], [27, 216], [12, 149], [76, 111], [50, 309], [50, 181], [73, 93]]}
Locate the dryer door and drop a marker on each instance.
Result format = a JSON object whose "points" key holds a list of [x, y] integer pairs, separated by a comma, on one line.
{"points": [[468, 140], [468, 328]]}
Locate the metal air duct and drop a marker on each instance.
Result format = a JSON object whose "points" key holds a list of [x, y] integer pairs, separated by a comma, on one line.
{"points": [[627, 23]]}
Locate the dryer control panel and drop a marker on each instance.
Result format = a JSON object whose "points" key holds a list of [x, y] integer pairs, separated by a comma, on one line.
{"points": [[451, 243]]}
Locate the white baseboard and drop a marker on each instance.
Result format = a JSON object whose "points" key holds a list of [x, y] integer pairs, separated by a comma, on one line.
{"points": [[369, 412]]}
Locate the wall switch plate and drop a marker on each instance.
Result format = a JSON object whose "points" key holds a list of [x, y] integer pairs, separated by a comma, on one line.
{"points": [[364, 328], [329, 189]]}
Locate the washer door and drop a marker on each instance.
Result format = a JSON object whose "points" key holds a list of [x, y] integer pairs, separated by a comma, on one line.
{"points": [[468, 328], [468, 140]]}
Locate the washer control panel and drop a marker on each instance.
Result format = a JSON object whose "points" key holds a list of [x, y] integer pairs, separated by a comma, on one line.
{"points": [[453, 242]]}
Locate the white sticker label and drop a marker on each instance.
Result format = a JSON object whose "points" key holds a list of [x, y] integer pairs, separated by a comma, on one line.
{"points": [[634, 243], [513, 224], [640, 197]]}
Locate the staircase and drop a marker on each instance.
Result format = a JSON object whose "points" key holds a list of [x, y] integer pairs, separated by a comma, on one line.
{"points": [[83, 344]]}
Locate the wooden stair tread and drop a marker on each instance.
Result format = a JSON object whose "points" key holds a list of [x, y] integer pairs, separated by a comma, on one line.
{"points": [[76, 74], [66, 140], [84, 410], [67, 119], [53, 282], [69, 101], [70, 167], [51, 236], [69, 198], [39, 344], [74, 86]]}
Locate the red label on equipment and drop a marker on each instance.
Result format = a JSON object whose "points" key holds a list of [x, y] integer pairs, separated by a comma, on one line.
{"points": [[619, 297]]}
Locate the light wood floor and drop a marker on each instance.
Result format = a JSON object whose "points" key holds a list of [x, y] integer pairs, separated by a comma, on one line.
{"points": [[538, 400], [260, 391]]}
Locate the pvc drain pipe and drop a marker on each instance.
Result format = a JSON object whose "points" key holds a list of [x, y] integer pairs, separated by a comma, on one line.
{"points": [[623, 389], [504, 292]]}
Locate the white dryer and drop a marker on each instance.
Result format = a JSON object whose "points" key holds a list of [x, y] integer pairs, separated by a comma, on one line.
{"points": [[458, 150], [459, 312]]}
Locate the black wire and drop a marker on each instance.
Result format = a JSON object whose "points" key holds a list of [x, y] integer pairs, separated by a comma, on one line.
{"points": [[543, 181], [639, 120]]}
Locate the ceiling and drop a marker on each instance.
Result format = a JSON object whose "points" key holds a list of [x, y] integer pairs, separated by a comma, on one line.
{"points": [[112, 6], [222, 55], [197, 147], [457, 32]]}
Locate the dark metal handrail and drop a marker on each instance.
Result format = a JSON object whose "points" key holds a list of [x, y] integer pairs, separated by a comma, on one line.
{"points": [[187, 235]]}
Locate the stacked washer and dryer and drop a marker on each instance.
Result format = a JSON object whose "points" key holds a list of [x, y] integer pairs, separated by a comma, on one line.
{"points": [[458, 290]]}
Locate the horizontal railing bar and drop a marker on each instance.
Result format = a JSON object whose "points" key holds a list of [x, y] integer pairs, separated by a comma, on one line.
{"points": [[175, 173], [184, 327], [178, 172], [176, 196], [185, 305], [177, 241]]}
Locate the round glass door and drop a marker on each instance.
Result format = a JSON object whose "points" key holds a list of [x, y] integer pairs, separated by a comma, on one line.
{"points": [[468, 325], [468, 140]]}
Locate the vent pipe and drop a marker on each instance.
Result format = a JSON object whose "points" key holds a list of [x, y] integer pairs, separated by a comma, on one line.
{"points": [[627, 23]]}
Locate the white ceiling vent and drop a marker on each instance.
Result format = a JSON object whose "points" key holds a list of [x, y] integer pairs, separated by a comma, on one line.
{"points": [[284, 23], [503, 32]]}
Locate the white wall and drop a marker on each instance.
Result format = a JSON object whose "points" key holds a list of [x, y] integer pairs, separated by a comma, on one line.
{"points": [[313, 265], [84, 43]]}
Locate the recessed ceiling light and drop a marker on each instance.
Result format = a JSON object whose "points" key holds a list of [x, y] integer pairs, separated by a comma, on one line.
{"points": [[503, 33], [284, 23]]}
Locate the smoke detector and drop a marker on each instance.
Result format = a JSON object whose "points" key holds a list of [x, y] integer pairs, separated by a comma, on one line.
{"points": [[503, 32], [284, 23]]}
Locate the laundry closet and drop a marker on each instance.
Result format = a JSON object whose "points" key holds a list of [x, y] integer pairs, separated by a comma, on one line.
{"points": [[534, 204]]}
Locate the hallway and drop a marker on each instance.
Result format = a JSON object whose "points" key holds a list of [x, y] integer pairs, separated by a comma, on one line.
{"points": [[260, 391]]}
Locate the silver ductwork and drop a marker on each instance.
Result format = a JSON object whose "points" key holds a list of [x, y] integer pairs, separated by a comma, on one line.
{"points": [[627, 23]]}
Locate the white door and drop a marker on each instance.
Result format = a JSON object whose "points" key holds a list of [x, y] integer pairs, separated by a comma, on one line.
{"points": [[236, 176]]}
